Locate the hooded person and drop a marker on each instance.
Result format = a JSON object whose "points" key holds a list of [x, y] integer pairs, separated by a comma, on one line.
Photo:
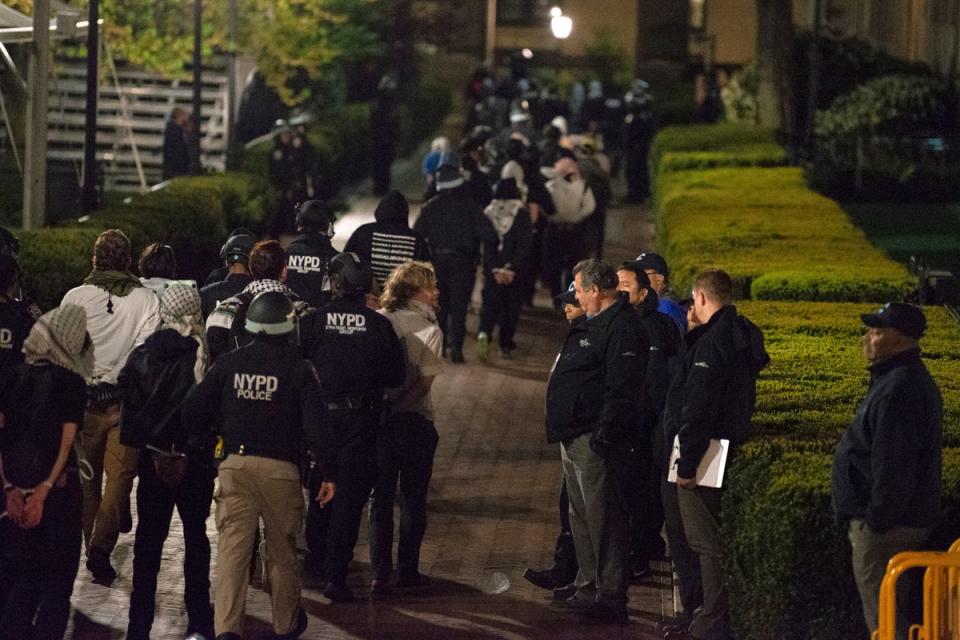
{"points": [[389, 241], [565, 240], [42, 402], [506, 253], [175, 465]]}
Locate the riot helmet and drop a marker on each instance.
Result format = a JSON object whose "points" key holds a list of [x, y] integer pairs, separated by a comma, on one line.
{"points": [[314, 216], [237, 248], [271, 313], [350, 275]]}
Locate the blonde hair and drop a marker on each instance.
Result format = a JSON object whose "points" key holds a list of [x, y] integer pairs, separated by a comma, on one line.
{"points": [[405, 282]]}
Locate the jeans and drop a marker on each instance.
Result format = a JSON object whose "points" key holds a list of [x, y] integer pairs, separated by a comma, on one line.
{"points": [[404, 456], [155, 503]]}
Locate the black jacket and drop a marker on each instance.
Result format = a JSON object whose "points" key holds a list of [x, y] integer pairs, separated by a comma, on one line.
{"points": [[389, 241], [886, 468], [268, 400], [213, 294], [308, 268], [666, 348], [153, 384], [477, 182], [453, 223], [517, 245], [593, 386], [714, 393], [354, 349], [176, 156]]}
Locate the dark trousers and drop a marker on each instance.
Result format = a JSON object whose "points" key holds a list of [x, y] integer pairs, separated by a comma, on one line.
{"points": [[685, 562], [405, 456], [155, 503], [645, 541], [565, 565], [501, 305], [563, 247], [455, 278], [700, 510], [42, 564], [633, 480], [333, 530], [638, 179]]}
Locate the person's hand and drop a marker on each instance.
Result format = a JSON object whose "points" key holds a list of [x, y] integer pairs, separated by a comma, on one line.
{"points": [[687, 483], [14, 503], [692, 319], [326, 493], [33, 511]]}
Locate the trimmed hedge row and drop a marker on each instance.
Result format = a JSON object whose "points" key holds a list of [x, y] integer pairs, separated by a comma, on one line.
{"points": [[193, 215], [789, 567], [726, 138], [735, 208]]}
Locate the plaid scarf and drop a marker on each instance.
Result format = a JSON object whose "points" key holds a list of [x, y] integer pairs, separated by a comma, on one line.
{"points": [[60, 337], [116, 283], [180, 311]]}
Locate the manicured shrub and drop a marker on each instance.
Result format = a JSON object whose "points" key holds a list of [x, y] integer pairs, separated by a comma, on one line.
{"points": [[728, 137]]}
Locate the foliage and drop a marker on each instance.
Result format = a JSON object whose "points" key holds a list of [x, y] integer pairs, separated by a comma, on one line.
{"points": [[739, 96], [606, 61], [891, 105], [726, 137]]}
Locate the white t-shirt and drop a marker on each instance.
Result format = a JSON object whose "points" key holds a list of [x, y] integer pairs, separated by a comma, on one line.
{"points": [[422, 341], [116, 324]]}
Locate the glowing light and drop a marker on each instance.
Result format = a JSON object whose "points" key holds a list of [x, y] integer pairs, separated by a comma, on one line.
{"points": [[556, 12], [562, 27], [527, 54]]}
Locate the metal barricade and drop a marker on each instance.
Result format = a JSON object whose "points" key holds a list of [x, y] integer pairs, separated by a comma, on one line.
{"points": [[941, 595]]}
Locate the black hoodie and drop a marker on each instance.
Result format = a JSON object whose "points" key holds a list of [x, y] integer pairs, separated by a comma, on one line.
{"points": [[389, 241]]}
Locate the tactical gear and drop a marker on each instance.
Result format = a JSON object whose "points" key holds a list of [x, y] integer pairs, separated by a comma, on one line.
{"points": [[314, 215], [271, 313], [350, 275], [237, 248]]}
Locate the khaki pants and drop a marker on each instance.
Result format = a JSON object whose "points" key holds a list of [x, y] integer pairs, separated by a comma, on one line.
{"points": [[250, 488], [105, 507], [871, 553]]}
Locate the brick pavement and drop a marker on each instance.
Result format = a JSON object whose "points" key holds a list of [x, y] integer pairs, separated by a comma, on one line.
{"points": [[492, 509]]}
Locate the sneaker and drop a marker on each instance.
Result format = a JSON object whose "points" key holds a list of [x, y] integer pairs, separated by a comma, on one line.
{"points": [[545, 579], [483, 346], [338, 592], [640, 573], [98, 563]]}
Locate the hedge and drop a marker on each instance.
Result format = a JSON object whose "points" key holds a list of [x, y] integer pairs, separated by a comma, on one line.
{"points": [[789, 571], [776, 237]]}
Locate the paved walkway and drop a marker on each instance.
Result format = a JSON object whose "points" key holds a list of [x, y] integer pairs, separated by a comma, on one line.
{"points": [[492, 509]]}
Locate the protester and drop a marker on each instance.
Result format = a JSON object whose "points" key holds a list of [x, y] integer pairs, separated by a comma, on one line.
{"points": [[41, 408], [121, 314], [506, 253], [158, 267], [235, 253], [175, 467], [267, 400], [886, 468], [309, 254], [711, 397], [389, 241], [357, 356], [405, 452], [564, 241], [439, 148], [593, 403]]}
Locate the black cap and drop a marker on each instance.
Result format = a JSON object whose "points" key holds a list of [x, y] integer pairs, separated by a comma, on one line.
{"points": [[507, 189], [655, 262], [353, 276], [237, 248], [905, 318], [569, 296], [315, 215]]}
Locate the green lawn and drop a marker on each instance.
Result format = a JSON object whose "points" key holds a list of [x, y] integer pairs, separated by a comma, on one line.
{"points": [[929, 231]]}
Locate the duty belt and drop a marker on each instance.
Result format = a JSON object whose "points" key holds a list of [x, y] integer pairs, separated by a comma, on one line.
{"points": [[261, 452]]}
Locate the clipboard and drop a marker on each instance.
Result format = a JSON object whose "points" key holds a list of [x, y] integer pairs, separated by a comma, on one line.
{"points": [[712, 466]]}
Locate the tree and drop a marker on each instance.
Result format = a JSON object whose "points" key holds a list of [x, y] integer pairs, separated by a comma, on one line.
{"points": [[775, 96]]}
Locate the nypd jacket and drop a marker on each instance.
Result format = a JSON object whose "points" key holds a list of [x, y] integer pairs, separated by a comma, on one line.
{"points": [[268, 400], [308, 268], [886, 469], [153, 384], [15, 324], [593, 386], [714, 393], [354, 349], [666, 347]]}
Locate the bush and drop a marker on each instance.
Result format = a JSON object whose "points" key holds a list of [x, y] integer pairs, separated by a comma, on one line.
{"points": [[788, 562], [776, 238], [728, 137]]}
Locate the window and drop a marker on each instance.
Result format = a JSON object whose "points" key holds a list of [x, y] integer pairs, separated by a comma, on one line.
{"points": [[697, 14], [524, 13]]}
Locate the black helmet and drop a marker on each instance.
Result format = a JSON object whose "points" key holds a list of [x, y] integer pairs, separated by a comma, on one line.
{"points": [[237, 248], [9, 244], [271, 313], [314, 215], [350, 275]]}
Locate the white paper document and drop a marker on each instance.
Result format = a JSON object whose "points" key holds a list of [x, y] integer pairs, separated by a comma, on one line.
{"points": [[712, 466]]}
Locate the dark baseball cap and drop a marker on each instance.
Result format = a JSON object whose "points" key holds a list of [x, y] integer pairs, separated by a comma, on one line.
{"points": [[655, 262], [569, 296], [905, 318]]}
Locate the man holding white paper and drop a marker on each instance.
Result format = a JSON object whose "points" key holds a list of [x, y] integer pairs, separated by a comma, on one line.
{"points": [[711, 400]]}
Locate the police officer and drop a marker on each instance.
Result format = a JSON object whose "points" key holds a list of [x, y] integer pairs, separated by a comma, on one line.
{"points": [[638, 130], [357, 355], [221, 272], [15, 316], [235, 253], [308, 256], [268, 400]]}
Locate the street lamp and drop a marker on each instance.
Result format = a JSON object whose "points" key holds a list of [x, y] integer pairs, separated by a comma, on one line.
{"points": [[561, 25]]}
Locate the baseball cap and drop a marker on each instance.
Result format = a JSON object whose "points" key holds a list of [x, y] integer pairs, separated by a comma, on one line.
{"points": [[905, 318], [655, 262], [569, 296]]}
